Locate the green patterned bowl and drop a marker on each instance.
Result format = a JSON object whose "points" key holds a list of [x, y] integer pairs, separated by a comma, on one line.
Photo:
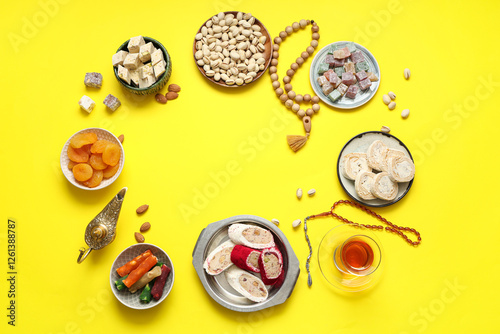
{"points": [[160, 83]]}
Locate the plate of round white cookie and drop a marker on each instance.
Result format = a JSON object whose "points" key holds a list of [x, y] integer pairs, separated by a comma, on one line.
{"points": [[375, 169]]}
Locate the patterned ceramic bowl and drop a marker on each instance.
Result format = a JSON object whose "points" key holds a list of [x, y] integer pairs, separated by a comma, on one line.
{"points": [[132, 299], [101, 134], [160, 83]]}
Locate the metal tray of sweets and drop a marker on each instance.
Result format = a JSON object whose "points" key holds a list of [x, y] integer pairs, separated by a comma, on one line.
{"points": [[219, 289]]}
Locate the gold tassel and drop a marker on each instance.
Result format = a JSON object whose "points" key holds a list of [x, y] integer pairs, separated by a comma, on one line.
{"points": [[296, 142]]}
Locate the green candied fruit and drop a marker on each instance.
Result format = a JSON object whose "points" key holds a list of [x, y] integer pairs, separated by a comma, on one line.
{"points": [[334, 96], [351, 47], [339, 71], [331, 49], [362, 66], [323, 67]]}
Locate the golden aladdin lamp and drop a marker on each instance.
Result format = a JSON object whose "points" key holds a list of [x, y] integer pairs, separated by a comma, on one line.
{"points": [[100, 232]]}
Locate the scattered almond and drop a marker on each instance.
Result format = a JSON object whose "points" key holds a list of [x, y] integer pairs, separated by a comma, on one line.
{"points": [[174, 88], [171, 95], [144, 227], [139, 237], [161, 98], [142, 209], [121, 138]]}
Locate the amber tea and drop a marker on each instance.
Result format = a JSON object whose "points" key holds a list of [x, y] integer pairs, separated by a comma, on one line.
{"points": [[356, 255]]}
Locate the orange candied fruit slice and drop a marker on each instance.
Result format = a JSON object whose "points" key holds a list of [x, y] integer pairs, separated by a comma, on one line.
{"points": [[78, 154], [96, 162], [82, 139], [99, 146], [110, 171], [95, 180], [111, 154], [82, 172]]}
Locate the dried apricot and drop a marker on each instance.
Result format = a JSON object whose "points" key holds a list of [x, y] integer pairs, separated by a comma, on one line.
{"points": [[110, 171], [95, 180], [99, 146], [78, 154], [111, 154], [82, 139], [71, 164], [96, 162], [82, 172]]}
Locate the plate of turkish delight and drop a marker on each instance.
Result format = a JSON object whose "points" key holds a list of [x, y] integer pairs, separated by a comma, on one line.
{"points": [[375, 169], [245, 263], [345, 75]]}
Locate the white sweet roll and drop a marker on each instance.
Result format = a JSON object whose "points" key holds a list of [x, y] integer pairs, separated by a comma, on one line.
{"points": [[355, 163], [376, 154], [383, 187], [363, 185], [248, 285], [401, 169], [251, 236], [219, 259], [391, 153]]}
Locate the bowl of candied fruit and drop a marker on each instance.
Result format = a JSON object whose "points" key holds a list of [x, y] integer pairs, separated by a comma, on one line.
{"points": [[92, 159]]}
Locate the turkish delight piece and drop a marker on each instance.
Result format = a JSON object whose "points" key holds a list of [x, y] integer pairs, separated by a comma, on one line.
{"points": [[338, 62], [323, 67], [156, 57], [334, 95], [335, 81], [322, 80], [145, 70], [119, 57], [339, 54], [134, 76], [93, 79], [86, 103], [145, 52], [112, 102], [352, 91], [342, 88], [132, 61], [361, 75], [246, 258], [329, 59], [339, 71], [250, 236], [372, 76], [347, 53], [271, 265], [365, 84], [135, 43], [328, 73], [351, 47], [348, 78], [123, 74], [362, 66], [246, 284], [327, 88], [219, 259], [147, 81], [350, 67], [357, 56], [331, 49], [159, 69]]}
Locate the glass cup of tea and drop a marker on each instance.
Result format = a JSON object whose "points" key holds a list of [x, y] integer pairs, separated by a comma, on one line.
{"points": [[350, 258]]}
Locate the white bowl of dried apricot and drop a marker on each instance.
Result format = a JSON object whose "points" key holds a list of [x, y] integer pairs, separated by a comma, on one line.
{"points": [[92, 159]]}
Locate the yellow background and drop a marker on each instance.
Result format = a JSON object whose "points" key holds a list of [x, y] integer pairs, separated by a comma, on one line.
{"points": [[448, 284]]}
